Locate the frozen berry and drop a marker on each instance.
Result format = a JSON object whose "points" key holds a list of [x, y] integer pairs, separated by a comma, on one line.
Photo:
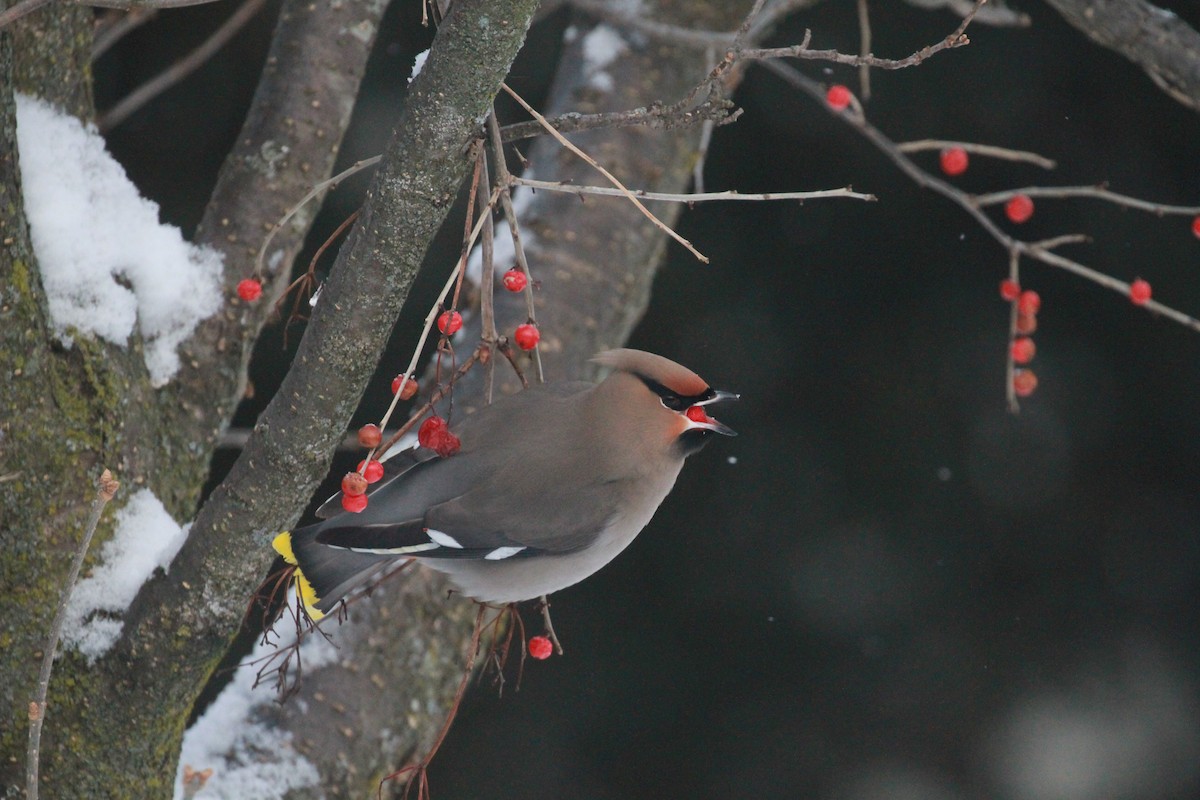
{"points": [[954, 161], [369, 435], [838, 96], [1026, 324], [1010, 290], [527, 336], [1019, 209], [429, 429], [410, 387], [514, 280], [371, 470], [540, 647], [1024, 382], [354, 503], [445, 443], [1139, 292], [1196, 227], [696, 414], [1023, 350], [449, 322], [353, 484], [1029, 303], [249, 290]]}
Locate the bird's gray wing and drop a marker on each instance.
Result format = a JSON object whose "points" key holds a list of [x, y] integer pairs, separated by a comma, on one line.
{"points": [[486, 522]]}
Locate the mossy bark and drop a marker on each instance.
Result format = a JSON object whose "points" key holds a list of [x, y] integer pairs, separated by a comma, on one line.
{"points": [[67, 412]]}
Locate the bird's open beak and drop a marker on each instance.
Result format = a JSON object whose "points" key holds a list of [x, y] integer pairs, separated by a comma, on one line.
{"points": [[714, 425]]}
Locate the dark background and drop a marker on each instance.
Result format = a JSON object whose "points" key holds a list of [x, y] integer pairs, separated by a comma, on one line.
{"points": [[887, 586]]}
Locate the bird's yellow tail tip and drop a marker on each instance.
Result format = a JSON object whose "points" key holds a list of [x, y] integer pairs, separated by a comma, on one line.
{"points": [[308, 595]]}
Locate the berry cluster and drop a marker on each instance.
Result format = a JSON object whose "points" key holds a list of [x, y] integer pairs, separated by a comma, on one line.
{"points": [[435, 434], [1022, 348]]}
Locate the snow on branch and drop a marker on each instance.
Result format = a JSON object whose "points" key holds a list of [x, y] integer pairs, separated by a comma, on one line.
{"points": [[108, 265]]}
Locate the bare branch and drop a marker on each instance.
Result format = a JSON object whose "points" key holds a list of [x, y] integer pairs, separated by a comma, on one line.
{"points": [[991, 151], [1157, 40], [185, 66], [567, 144], [684, 197], [1038, 251], [106, 488]]}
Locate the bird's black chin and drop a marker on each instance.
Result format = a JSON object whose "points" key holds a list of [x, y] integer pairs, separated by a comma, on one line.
{"points": [[692, 440]]}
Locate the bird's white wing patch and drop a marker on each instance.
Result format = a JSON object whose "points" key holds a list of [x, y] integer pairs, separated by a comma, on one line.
{"points": [[443, 539], [390, 551], [502, 552]]}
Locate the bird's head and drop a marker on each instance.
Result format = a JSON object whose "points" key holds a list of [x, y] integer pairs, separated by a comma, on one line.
{"points": [[675, 388]]}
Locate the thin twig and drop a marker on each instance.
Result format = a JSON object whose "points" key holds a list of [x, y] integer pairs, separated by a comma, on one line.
{"points": [[180, 69], [971, 204], [612, 178], [864, 48], [1010, 369], [549, 625], [957, 38], [1094, 192], [487, 280], [329, 183], [14, 13], [991, 151], [700, 197], [503, 179], [425, 329], [105, 489], [109, 32]]}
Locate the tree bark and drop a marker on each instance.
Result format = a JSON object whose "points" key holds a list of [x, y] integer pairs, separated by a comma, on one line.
{"points": [[1155, 39], [68, 412]]}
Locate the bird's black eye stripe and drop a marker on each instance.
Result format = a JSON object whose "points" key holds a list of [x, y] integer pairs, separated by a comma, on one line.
{"points": [[673, 400]]}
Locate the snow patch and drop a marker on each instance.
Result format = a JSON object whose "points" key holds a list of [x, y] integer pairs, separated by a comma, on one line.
{"points": [[249, 758], [418, 65], [601, 46], [107, 263], [146, 538]]}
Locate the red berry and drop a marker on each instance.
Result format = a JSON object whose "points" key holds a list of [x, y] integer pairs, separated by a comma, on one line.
{"points": [[514, 280], [1196, 227], [838, 96], [369, 435], [445, 443], [1026, 324], [1022, 350], [354, 503], [696, 414], [429, 429], [410, 387], [1029, 303], [371, 470], [353, 484], [1139, 292], [1010, 290], [1019, 209], [954, 161], [249, 290], [1024, 382], [449, 322], [527, 336], [540, 647]]}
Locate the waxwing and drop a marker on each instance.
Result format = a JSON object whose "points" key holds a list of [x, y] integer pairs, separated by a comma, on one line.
{"points": [[549, 486]]}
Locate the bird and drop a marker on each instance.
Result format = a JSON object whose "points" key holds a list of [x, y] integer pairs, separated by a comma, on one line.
{"points": [[550, 484]]}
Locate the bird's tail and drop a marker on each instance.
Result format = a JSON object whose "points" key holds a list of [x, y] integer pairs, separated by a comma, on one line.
{"points": [[324, 575]]}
